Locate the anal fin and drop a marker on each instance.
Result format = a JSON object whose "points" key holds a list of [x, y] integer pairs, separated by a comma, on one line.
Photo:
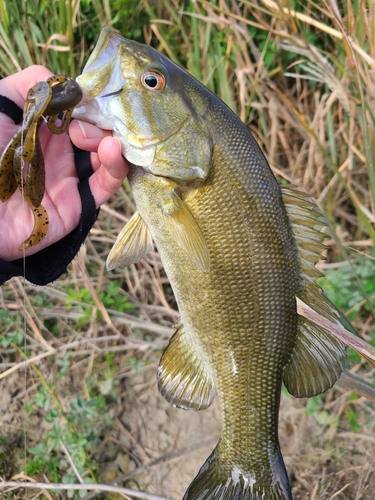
{"points": [[182, 378], [318, 358]]}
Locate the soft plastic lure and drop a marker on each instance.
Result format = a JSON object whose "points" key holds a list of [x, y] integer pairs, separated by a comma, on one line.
{"points": [[54, 98]]}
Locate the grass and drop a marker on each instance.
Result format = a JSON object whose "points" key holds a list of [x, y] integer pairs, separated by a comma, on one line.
{"points": [[301, 77]]}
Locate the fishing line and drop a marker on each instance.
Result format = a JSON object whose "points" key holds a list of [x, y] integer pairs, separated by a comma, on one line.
{"points": [[23, 211]]}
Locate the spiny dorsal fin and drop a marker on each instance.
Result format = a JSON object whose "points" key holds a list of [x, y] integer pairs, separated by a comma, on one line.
{"points": [[182, 378], [318, 357], [185, 231], [132, 244]]}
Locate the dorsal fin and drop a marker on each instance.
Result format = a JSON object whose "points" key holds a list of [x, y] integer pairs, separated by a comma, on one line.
{"points": [[318, 358]]}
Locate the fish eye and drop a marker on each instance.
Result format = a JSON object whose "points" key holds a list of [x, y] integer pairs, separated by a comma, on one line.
{"points": [[153, 80]]}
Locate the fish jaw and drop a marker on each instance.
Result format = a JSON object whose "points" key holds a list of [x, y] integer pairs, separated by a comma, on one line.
{"points": [[101, 76], [102, 65]]}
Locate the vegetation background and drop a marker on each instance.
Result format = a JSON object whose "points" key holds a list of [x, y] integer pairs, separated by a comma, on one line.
{"points": [[77, 354]]}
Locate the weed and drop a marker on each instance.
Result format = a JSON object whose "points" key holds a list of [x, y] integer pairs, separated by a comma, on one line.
{"points": [[71, 432], [111, 298], [11, 338], [137, 364], [64, 364], [352, 287]]}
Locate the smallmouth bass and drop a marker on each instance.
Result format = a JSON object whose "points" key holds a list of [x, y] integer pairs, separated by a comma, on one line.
{"points": [[237, 248]]}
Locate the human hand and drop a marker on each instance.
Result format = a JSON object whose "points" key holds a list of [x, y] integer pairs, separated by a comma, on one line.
{"points": [[61, 198]]}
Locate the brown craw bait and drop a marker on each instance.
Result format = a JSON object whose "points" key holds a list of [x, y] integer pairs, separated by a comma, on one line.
{"points": [[50, 100]]}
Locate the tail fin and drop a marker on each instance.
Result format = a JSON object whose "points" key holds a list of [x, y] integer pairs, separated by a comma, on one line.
{"points": [[216, 482]]}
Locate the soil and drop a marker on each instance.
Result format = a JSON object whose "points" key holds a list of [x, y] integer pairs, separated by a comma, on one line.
{"points": [[157, 448]]}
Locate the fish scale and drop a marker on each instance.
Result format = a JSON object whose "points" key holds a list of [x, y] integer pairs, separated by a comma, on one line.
{"points": [[237, 249]]}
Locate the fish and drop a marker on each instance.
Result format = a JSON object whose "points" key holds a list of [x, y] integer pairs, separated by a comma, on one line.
{"points": [[237, 247]]}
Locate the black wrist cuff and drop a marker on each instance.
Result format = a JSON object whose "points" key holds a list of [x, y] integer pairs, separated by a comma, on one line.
{"points": [[11, 109], [51, 262]]}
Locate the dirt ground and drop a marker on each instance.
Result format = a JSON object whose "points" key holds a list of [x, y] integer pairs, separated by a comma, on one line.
{"points": [[157, 448]]}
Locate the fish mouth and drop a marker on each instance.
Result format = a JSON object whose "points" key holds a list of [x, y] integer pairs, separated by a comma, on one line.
{"points": [[90, 110], [103, 79], [115, 92]]}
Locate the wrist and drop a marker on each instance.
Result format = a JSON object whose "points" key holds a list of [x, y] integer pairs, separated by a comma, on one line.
{"points": [[10, 115]]}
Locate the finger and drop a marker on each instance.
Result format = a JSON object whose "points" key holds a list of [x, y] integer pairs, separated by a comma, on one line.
{"points": [[86, 135], [113, 169], [16, 86]]}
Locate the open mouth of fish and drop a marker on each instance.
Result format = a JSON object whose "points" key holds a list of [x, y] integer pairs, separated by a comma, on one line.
{"points": [[103, 83]]}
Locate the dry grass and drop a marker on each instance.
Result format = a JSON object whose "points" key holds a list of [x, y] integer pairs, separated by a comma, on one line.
{"points": [[301, 76]]}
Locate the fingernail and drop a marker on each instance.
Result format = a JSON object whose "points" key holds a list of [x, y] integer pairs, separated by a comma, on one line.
{"points": [[89, 131], [119, 144]]}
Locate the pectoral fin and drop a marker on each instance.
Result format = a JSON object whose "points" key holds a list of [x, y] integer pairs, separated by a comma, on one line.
{"points": [[318, 357], [132, 244], [185, 231], [182, 378]]}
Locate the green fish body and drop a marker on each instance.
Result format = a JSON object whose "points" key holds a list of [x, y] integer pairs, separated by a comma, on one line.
{"points": [[237, 248]]}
